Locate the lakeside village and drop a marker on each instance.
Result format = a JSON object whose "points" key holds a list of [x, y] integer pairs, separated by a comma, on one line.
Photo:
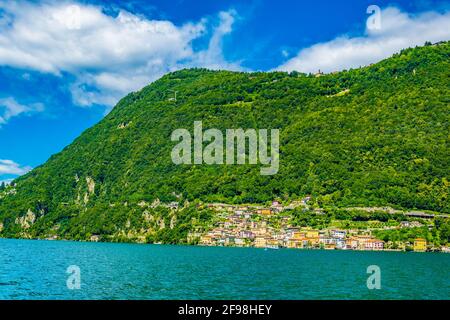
{"points": [[251, 226]]}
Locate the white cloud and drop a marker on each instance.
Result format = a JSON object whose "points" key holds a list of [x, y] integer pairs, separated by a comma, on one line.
{"points": [[10, 167], [10, 108], [398, 30], [212, 57], [109, 56]]}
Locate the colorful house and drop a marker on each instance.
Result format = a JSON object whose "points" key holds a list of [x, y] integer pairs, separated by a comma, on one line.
{"points": [[260, 242], [296, 235], [276, 206], [362, 241], [272, 242], [206, 239], [351, 243], [265, 212], [327, 240], [246, 234], [291, 244], [420, 245], [312, 234], [374, 244], [313, 241], [340, 234]]}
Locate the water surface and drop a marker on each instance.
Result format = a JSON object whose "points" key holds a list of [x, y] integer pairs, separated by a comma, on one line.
{"points": [[37, 270]]}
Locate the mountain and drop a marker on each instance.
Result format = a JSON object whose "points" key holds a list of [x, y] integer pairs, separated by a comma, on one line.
{"points": [[372, 136]]}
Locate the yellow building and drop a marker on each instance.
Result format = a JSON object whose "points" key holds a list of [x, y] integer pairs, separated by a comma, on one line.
{"points": [[330, 246], [265, 212], [291, 244], [312, 234], [313, 241], [272, 242], [260, 242], [206, 240], [420, 244], [298, 235]]}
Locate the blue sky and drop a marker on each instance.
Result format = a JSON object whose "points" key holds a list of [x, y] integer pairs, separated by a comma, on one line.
{"points": [[64, 64]]}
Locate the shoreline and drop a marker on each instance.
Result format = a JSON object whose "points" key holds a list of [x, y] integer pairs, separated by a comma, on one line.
{"points": [[204, 246]]}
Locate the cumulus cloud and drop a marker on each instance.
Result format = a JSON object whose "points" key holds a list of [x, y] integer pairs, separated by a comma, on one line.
{"points": [[10, 167], [108, 55], [10, 108], [398, 30]]}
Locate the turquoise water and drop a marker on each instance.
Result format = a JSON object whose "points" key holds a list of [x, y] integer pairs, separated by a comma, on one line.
{"points": [[37, 270]]}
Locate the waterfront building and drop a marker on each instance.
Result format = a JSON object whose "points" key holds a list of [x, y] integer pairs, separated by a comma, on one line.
{"points": [[420, 245], [260, 242], [351, 243], [374, 244], [206, 240], [291, 244], [272, 242], [327, 240], [362, 240]]}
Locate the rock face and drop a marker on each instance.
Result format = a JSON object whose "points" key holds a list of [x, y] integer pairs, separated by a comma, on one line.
{"points": [[90, 184], [371, 137], [27, 220], [90, 189]]}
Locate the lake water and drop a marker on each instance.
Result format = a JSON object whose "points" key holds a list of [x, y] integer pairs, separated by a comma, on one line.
{"points": [[37, 270]]}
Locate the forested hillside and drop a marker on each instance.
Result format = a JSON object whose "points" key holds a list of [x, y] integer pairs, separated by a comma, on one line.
{"points": [[373, 136]]}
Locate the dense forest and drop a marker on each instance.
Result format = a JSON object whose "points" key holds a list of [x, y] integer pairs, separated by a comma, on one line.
{"points": [[373, 136]]}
